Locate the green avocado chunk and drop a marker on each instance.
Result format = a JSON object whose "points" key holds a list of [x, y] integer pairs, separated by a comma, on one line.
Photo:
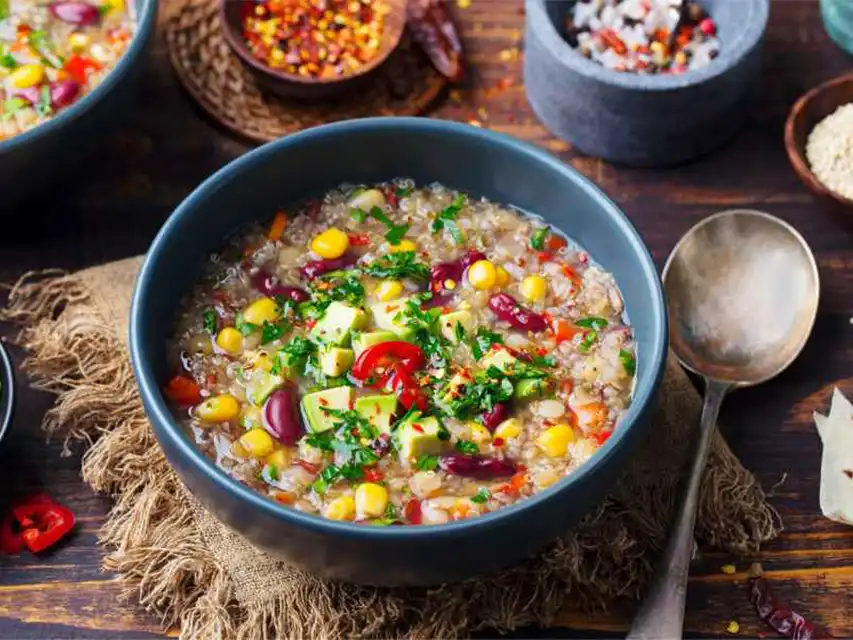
{"points": [[335, 361], [369, 338], [384, 314], [377, 410], [449, 321], [419, 436], [315, 407], [531, 388], [500, 358], [338, 324]]}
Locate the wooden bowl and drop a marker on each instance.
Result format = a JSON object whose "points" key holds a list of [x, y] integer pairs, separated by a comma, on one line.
{"points": [[808, 111], [288, 85]]}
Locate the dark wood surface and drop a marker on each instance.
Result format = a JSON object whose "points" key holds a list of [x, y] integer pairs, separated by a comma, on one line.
{"points": [[166, 148]]}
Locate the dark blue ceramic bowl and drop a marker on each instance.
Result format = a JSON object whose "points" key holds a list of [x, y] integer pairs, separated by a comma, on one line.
{"points": [[308, 164], [7, 391], [54, 149]]}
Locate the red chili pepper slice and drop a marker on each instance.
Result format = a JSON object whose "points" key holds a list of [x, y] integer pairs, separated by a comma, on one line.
{"points": [[43, 521], [384, 357], [433, 29], [407, 390], [77, 66], [778, 615], [183, 390]]}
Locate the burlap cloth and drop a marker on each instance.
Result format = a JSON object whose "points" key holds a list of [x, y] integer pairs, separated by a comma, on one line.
{"points": [[180, 562]]}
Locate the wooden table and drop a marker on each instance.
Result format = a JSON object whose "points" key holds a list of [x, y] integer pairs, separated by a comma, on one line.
{"points": [[167, 148]]}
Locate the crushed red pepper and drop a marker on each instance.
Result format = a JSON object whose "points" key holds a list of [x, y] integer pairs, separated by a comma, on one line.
{"points": [[777, 615], [327, 39]]}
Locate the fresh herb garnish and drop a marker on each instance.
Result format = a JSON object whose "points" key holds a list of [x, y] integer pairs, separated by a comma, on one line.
{"points": [[40, 41], [588, 340], [402, 192], [359, 215], [395, 231], [388, 518], [209, 321], [337, 286], [412, 413], [483, 341], [427, 463], [7, 60], [482, 496], [537, 240], [459, 331], [446, 218], [395, 266], [12, 106], [246, 328], [629, 362], [466, 446], [427, 329], [326, 479], [544, 361], [272, 331], [43, 107], [592, 322], [294, 356], [271, 471]]}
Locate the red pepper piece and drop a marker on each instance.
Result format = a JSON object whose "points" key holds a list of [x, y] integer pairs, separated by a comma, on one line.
{"points": [[408, 392], [11, 542], [779, 616], [412, 511], [183, 390], [78, 66], [436, 34], [43, 522], [359, 239], [383, 357]]}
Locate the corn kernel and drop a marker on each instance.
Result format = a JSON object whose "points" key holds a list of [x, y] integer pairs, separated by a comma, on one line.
{"points": [[78, 41], [257, 442], [508, 429], [405, 245], [330, 244], [501, 277], [262, 361], [728, 569], [261, 310], [239, 450], [368, 199], [733, 627], [277, 55], [280, 459], [479, 433], [389, 290], [251, 417], [534, 288], [26, 76], [555, 441], [230, 340], [482, 274], [218, 409], [342, 508], [370, 500]]}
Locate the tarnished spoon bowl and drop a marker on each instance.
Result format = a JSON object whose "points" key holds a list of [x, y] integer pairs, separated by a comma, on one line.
{"points": [[742, 289]]}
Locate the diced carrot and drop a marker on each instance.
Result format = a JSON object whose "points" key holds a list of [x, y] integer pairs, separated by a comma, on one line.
{"points": [[565, 330], [183, 390], [284, 497], [279, 224]]}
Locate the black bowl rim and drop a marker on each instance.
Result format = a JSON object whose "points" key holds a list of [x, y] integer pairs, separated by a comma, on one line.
{"points": [[146, 22], [7, 392], [159, 413]]}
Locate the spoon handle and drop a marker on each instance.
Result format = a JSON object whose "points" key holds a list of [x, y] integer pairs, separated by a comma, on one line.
{"points": [[662, 613]]}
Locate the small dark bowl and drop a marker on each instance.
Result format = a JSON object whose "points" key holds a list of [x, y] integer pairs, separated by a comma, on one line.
{"points": [[7, 391], [480, 162], [289, 85], [807, 112], [643, 120], [55, 149]]}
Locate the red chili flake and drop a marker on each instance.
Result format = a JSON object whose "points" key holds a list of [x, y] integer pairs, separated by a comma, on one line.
{"points": [[310, 468], [609, 37], [359, 239], [310, 324], [521, 262], [504, 84], [412, 511], [544, 256], [418, 428], [498, 442], [323, 401], [372, 474], [602, 436]]}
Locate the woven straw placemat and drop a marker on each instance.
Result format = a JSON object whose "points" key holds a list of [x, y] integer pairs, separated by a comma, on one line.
{"points": [[214, 76]]}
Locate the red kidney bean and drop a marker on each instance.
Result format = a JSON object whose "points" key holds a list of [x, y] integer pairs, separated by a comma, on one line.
{"points": [[381, 445], [506, 308], [281, 415], [475, 466], [270, 286], [491, 419], [444, 271], [30, 94], [75, 12], [63, 93], [317, 268]]}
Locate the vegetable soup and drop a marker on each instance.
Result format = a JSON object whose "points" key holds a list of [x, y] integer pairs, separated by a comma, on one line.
{"points": [[54, 53], [401, 355]]}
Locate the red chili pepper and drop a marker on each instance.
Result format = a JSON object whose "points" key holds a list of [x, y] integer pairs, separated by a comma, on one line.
{"points": [[412, 511], [183, 390], [402, 357], [433, 29], [408, 392], [77, 66], [372, 474], [41, 523], [778, 616], [359, 239]]}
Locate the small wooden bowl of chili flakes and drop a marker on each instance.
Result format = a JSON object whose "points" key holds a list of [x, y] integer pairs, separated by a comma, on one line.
{"points": [[311, 49]]}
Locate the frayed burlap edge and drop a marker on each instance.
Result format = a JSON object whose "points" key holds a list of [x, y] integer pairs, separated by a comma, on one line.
{"points": [[163, 561]]}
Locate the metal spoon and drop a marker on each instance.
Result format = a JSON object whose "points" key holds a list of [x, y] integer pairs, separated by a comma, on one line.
{"points": [[742, 288]]}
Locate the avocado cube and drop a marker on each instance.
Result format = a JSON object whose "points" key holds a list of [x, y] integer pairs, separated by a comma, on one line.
{"points": [[449, 322], [315, 407], [337, 325], [531, 388], [335, 361], [385, 318], [369, 338], [499, 357], [421, 436], [378, 410], [260, 385]]}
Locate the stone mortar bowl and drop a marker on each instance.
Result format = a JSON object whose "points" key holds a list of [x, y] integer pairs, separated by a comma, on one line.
{"points": [[643, 120]]}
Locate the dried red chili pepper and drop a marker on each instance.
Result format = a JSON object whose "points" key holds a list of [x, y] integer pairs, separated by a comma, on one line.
{"points": [[435, 32], [777, 615]]}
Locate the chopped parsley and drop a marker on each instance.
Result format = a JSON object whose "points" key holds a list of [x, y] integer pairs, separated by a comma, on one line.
{"points": [[395, 266], [446, 218], [328, 476], [7, 60], [592, 322], [537, 240], [388, 518], [43, 107], [246, 328], [459, 330], [427, 329], [629, 363], [483, 341], [337, 286], [395, 232], [271, 471], [359, 215], [293, 357], [39, 39], [427, 463], [468, 447], [544, 361], [588, 340], [482, 496], [272, 331], [209, 321], [402, 192]]}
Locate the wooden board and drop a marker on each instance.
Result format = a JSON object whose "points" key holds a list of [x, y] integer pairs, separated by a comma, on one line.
{"points": [[167, 148]]}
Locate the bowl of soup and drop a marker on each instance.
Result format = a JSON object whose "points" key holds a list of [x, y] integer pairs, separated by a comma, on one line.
{"points": [[67, 73], [402, 367]]}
